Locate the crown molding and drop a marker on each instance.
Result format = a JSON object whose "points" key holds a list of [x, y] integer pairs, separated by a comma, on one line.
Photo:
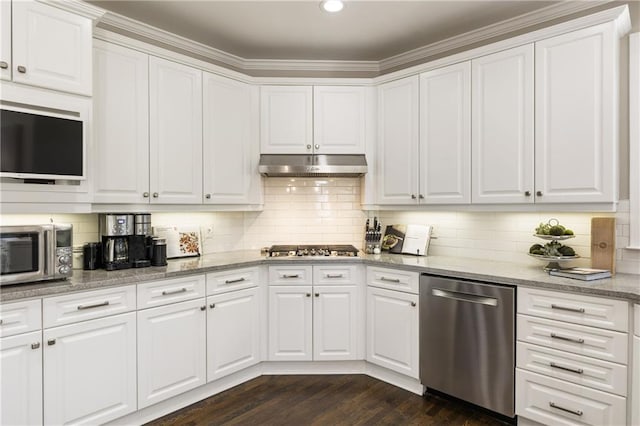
{"points": [[113, 21], [498, 29], [78, 7]]}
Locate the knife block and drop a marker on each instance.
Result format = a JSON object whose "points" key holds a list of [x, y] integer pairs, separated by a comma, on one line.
{"points": [[603, 243]]}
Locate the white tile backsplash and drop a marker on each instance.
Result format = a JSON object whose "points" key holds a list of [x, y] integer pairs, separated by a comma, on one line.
{"points": [[310, 210]]}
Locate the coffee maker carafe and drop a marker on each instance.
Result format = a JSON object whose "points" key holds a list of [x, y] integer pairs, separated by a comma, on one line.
{"points": [[116, 230]]}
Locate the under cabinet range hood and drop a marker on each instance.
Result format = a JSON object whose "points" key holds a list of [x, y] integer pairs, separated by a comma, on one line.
{"points": [[312, 165]]}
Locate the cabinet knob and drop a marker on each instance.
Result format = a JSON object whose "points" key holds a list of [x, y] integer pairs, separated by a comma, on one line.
{"points": [[413, 196], [309, 146], [413, 304], [316, 146], [22, 69], [51, 342], [4, 65], [527, 193], [317, 294], [145, 194], [203, 307], [539, 193], [421, 196], [35, 345], [213, 305], [155, 195], [208, 196], [308, 294]]}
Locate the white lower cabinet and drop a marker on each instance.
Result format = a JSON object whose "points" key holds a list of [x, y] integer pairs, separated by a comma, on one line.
{"points": [[290, 323], [392, 330], [335, 323], [635, 382], [21, 379], [233, 332], [171, 350], [90, 370]]}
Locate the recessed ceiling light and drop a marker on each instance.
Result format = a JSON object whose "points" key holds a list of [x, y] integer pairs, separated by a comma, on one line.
{"points": [[332, 5]]}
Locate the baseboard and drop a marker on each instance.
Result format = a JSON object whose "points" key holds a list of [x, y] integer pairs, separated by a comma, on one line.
{"points": [[268, 368]]}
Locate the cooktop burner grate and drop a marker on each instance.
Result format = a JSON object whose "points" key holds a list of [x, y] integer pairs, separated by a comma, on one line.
{"points": [[335, 250]]}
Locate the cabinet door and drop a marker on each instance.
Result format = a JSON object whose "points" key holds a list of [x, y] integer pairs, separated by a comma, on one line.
{"points": [[90, 370], [51, 48], [339, 120], [171, 350], [286, 120], [502, 127], [290, 330], [445, 135], [392, 330], [21, 379], [335, 323], [230, 142], [175, 132], [398, 141], [635, 385], [121, 124], [575, 128], [5, 40], [233, 332]]}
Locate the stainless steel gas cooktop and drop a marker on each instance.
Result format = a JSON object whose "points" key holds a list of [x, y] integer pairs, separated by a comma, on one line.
{"points": [[313, 250]]}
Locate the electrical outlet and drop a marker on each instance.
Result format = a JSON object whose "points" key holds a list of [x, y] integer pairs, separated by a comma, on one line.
{"points": [[207, 232]]}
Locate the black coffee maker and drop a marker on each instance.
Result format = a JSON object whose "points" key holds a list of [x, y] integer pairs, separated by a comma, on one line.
{"points": [[140, 241], [116, 230]]}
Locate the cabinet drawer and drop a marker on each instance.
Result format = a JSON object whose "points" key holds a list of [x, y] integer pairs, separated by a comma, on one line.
{"points": [[158, 293], [582, 370], [290, 275], [553, 402], [594, 342], [236, 279], [20, 317], [336, 274], [88, 305], [576, 308], [393, 279]]}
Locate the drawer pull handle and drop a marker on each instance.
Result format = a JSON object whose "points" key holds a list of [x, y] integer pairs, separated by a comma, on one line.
{"points": [[35, 345], [335, 276], [170, 292], [560, 367], [1, 321], [203, 307], [4, 65], [291, 276], [237, 280], [576, 412], [568, 339], [308, 295], [413, 304], [97, 305], [391, 280], [565, 308], [213, 305], [51, 342]]}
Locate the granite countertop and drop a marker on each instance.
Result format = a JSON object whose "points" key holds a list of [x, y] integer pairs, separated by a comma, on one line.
{"points": [[623, 286]]}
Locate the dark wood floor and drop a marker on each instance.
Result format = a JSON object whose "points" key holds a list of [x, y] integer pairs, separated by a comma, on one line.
{"points": [[324, 400]]}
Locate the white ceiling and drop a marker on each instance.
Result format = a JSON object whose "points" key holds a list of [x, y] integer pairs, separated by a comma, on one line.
{"points": [[300, 30]]}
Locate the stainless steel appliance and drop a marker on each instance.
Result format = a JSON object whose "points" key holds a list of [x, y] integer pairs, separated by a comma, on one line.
{"points": [[467, 341], [312, 250], [312, 165], [35, 253], [115, 230], [140, 243]]}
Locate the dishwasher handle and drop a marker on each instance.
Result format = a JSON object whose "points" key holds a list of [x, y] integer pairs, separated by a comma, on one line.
{"points": [[465, 297]]}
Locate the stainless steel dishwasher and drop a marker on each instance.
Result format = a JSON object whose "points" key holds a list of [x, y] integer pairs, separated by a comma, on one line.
{"points": [[467, 341]]}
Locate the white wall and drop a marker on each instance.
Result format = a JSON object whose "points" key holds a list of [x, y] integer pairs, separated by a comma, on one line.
{"points": [[307, 211]]}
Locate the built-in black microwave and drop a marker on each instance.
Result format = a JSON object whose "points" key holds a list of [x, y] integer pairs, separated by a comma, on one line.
{"points": [[44, 146]]}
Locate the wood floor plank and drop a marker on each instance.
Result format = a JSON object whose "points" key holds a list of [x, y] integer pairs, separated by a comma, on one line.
{"points": [[319, 400]]}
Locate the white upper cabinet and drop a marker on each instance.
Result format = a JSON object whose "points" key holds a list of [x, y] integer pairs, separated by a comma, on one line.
{"points": [[286, 119], [576, 121], [175, 132], [121, 125], [51, 47], [230, 141], [5, 40], [445, 135], [339, 125], [502, 127], [398, 159]]}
